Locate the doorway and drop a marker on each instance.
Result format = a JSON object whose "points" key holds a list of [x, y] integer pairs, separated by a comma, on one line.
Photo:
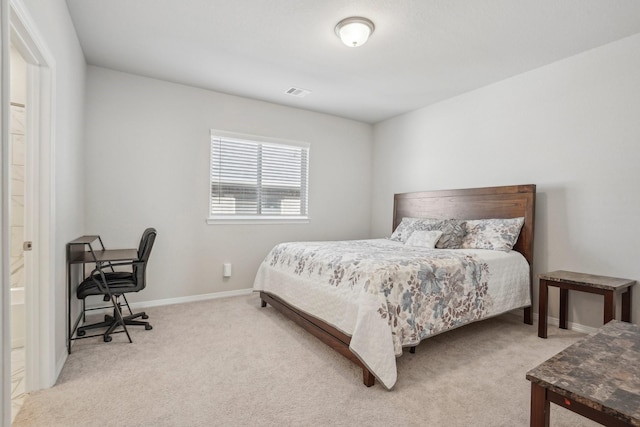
{"points": [[37, 268], [17, 221]]}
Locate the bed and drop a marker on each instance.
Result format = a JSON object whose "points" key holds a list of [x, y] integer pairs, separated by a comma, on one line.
{"points": [[369, 299]]}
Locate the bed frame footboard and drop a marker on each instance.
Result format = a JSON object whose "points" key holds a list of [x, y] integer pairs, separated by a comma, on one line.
{"points": [[321, 330]]}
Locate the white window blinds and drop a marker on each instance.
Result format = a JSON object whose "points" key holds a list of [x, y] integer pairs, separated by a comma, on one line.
{"points": [[258, 179]]}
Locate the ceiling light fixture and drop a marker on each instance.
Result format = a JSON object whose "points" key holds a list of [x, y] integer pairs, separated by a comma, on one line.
{"points": [[354, 31]]}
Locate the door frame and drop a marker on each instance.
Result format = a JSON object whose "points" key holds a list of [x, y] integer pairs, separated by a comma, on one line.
{"points": [[40, 361]]}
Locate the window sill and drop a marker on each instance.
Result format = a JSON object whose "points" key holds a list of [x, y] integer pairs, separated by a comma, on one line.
{"points": [[256, 220]]}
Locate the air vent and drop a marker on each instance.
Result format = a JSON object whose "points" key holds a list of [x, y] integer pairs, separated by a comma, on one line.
{"points": [[297, 92]]}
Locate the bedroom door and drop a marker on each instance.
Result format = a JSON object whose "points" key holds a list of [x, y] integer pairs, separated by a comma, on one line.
{"points": [[37, 207]]}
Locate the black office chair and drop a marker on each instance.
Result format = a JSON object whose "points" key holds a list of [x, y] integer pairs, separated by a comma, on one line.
{"points": [[115, 284]]}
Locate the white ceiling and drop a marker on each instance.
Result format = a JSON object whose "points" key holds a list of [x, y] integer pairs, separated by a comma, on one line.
{"points": [[422, 51]]}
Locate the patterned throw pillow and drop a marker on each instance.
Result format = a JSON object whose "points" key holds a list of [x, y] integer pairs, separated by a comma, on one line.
{"points": [[403, 230], [495, 234], [453, 231]]}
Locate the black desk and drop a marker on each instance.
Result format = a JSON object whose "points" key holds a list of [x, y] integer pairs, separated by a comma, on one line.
{"points": [[80, 252]]}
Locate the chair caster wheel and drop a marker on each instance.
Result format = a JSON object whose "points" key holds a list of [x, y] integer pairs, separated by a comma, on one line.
{"points": [[81, 333], [148, 327], [107, 338], [144, 316]]}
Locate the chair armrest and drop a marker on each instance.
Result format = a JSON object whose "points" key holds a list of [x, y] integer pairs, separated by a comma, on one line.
{"points": [[118, 264], [102, 282], [111, 264]]}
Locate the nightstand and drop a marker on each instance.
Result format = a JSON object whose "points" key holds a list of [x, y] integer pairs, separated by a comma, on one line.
{"points": [[609, 287]]}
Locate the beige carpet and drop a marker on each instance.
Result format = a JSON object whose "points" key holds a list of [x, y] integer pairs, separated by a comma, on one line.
{"points": [[229, 362]]}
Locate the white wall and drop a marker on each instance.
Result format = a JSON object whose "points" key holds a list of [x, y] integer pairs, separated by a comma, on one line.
{"points": [[54, 24], [147, 164], [571, 127]]}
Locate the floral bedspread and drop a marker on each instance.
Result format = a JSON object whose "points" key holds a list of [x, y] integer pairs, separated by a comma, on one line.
{"points": [[384, 294]]}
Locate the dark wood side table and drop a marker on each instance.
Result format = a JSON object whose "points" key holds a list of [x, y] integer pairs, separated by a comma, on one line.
{"points": [[609, 287], [597, 377]]}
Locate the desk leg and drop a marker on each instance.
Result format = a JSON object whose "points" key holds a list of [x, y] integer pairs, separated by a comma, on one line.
{"points": [[542, 309], [68, 298], [626, 306], [609, 306], [564, 307], [539, 406]]}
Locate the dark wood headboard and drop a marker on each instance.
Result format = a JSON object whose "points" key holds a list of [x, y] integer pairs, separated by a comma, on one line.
{"points": [[511, 201]]}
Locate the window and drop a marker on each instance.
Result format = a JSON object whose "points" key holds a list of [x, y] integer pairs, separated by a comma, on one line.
{"points": [[257, 178]]}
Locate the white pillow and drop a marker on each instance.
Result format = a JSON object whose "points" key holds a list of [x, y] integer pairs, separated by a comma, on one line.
{"points": [[423, 238]]}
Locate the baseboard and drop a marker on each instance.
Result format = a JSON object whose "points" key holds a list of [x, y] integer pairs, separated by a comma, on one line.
{"points": [[62, 359], [191, 298], [182, 300], [554, 321]]}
